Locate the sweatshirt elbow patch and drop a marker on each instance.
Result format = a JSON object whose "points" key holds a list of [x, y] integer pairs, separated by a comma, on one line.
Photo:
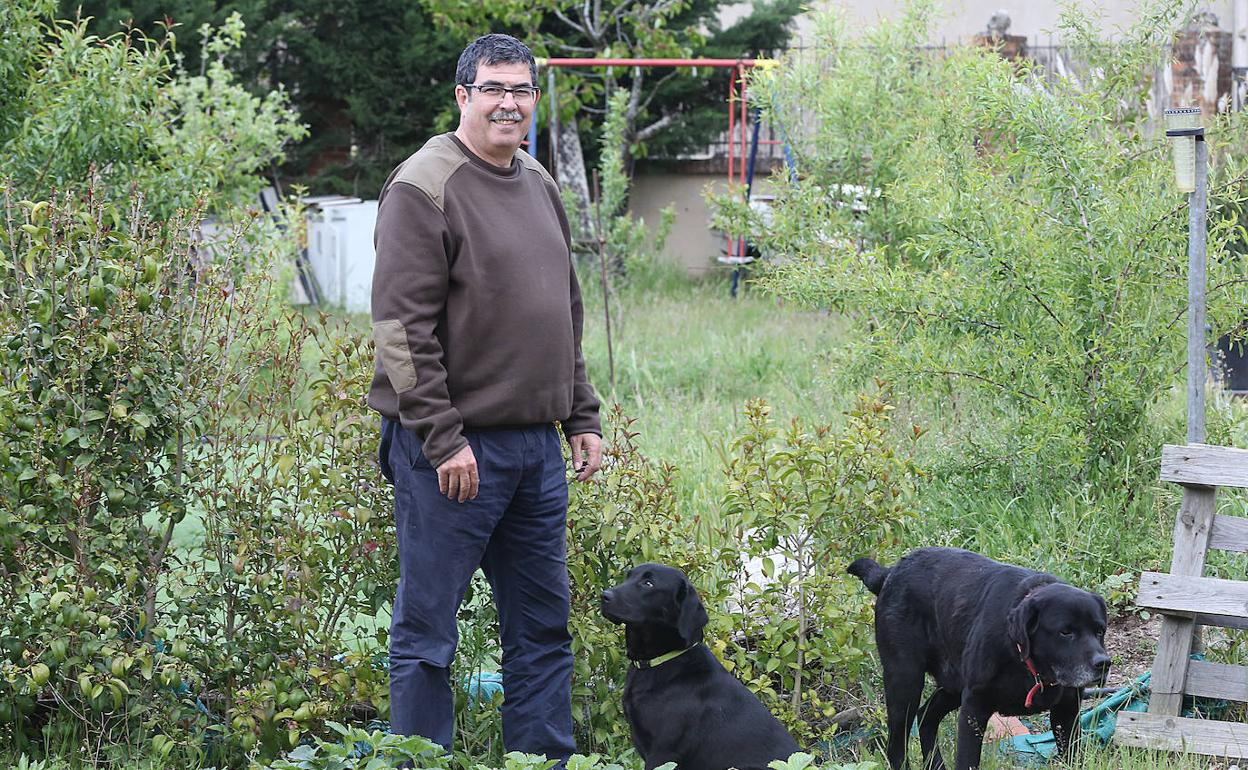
{"points": [[390, 340]]}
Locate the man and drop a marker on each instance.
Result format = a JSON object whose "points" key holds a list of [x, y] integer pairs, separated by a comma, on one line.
{"points": [[477, 324]]}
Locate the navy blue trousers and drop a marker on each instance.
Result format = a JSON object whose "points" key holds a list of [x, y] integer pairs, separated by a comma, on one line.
{"points": [[515, 532]]}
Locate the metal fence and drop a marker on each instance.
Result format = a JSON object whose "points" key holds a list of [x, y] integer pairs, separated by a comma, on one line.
{"points": [[1054, 63]]}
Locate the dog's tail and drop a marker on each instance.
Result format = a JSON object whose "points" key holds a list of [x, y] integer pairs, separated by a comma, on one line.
{"points": [[870, 573]]}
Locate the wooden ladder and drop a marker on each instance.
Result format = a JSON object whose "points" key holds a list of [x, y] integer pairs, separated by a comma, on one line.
{"points": [[1187, 599]]}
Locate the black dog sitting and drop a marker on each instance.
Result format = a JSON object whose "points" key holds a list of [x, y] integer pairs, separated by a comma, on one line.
{"points": [[682, 705], [996, 638]]}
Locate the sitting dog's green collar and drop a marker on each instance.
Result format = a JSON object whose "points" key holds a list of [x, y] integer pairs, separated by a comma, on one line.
{"points": [[665, 657]]}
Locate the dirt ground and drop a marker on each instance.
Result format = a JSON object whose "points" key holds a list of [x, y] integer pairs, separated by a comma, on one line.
{"points": [[1132, 643]]}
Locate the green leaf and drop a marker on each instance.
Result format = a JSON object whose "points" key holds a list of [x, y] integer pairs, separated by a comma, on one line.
{"points": [[303, 753]]}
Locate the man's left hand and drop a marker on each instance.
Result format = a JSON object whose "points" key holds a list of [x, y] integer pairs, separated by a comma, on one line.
{"points": [[586, 454]]}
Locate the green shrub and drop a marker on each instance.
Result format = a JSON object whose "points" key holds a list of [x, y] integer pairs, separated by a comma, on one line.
{"points": [[122, 108], [297, 554], [197, 542], [804, 504], [1023, 247], [97, 322], [191, 551]]}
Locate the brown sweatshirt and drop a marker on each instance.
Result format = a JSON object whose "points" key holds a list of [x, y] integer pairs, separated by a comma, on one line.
{"points": [[476, 307]]}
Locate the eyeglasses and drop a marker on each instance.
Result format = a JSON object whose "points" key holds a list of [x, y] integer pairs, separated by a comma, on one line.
{"points": [[522, 94]]}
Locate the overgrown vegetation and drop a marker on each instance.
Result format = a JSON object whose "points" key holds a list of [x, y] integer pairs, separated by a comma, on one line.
{"points": [[792, 503], [196, 555], [151, 379], [1019, 268], [371, 78]]}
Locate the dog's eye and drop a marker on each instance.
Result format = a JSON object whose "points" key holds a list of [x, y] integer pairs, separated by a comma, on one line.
{"points": [[1067, 634], [647, 583]]}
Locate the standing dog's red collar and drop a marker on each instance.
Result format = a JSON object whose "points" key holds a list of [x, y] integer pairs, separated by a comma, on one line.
{"points": [[1036, 688]]}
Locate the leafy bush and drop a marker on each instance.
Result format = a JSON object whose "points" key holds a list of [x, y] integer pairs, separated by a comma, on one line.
{"points": [[298, 550], [195, 551], [124, 109], [190, 559], [1023, 248], [97, 322], [804, 504]]}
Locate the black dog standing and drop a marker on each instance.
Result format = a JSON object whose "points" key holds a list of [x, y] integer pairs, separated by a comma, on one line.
{"points": [[996, 638], [682, 705]]}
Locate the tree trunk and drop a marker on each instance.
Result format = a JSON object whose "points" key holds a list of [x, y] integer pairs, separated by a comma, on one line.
{"points": [[570, 167]]}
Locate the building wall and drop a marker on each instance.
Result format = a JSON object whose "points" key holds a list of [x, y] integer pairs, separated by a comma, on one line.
{"points": [[691, 242], [960, 19]]}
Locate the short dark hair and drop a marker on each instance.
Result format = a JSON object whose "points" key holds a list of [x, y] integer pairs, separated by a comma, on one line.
{"points": [[493, 49]]}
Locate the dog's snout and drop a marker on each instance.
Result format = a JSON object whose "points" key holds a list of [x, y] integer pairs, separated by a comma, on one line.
{"points": [[609, 605], [1101, 663]]}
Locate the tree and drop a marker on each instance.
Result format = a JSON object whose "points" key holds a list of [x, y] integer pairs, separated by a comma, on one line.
{"points": [[121, 109], [696, 104], [371, 79]]}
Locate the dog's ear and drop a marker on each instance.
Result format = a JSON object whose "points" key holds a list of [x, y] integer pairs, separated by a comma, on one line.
{"points": [[1021, 624], [1103, 605], [691, 616]]}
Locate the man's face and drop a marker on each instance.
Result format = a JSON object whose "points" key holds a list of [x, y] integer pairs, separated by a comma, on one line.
{"points": [[495, 128]]}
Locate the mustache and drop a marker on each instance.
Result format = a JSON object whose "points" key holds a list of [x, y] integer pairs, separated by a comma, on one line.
{"points": [[506, 115]]}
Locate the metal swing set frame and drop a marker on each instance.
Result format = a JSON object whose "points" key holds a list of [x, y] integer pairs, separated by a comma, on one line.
{"points": [[742, 141]]}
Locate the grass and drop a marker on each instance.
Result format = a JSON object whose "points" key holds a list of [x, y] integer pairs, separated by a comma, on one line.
{"points": [[688, 357]]}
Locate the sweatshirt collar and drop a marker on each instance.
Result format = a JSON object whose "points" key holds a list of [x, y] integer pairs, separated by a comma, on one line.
{"points": [[506, 173]]}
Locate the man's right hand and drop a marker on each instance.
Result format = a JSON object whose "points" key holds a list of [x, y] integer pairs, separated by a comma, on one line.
{"points": [[457, 477]]}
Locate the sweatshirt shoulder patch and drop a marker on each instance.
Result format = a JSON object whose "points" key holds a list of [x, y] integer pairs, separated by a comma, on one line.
{"points": [[430, 167]]}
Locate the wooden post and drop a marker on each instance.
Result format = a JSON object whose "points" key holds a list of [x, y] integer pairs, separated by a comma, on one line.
{"points": [[1180, 636], [1188, 600], [1197, 206], [606, 292]]}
